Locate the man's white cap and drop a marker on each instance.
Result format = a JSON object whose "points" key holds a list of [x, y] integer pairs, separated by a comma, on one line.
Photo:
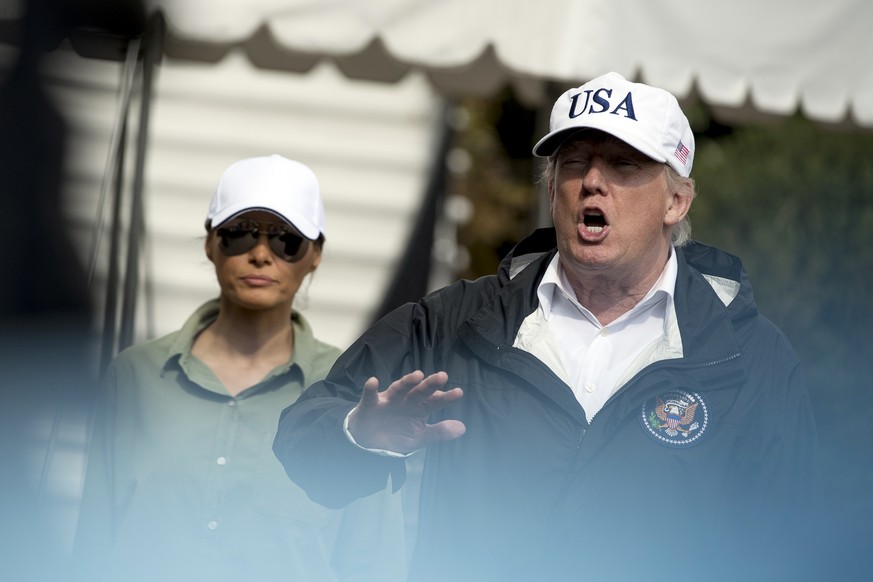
{"points": [[284, 187], [645, 117]]}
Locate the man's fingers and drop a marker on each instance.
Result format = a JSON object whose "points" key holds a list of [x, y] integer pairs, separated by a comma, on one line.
{"points": [[396, 419], [426, 387], [370, 395], [406, 383], [439, 400], [444, 430], [413, 393]]}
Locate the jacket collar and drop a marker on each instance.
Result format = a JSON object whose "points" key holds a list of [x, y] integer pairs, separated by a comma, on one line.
{"points": [[539, 244], [706, 318]]}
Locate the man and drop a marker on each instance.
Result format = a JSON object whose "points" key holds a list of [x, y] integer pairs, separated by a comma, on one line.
{"points": [[609, 406]]}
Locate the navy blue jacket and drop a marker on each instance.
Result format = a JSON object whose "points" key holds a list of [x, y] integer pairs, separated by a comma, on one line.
{"points": [[697, 467]]}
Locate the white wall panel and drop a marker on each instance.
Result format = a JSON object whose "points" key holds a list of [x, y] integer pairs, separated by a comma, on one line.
{"points": [[371, 145]]}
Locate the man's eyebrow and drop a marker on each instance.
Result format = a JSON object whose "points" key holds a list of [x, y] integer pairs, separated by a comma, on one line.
{"points": [[576, 148]]}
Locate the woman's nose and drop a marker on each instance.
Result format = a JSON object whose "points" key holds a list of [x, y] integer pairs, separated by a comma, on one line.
{"points": [[261, 252]]}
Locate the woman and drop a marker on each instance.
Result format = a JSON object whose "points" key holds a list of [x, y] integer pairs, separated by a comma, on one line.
{"points": [[183, 484]]}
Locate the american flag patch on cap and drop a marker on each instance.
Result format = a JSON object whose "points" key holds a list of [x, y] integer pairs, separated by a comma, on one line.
{"points": [[681, 153]]}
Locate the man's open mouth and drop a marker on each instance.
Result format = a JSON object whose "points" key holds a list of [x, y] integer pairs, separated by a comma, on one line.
{"points": [[594, 221]]}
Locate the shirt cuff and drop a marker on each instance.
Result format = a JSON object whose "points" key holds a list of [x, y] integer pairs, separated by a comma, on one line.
{"points": [[380, 452]]}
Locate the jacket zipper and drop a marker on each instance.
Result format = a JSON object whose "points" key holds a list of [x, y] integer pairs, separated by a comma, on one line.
{"points": [[662, 365]]}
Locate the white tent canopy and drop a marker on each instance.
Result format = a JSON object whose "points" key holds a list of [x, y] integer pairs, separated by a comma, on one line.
{"points": [[768, 56]]}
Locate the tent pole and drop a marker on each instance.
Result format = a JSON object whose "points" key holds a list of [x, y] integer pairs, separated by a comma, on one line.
{"points": [[152, 50], [114, 175]]}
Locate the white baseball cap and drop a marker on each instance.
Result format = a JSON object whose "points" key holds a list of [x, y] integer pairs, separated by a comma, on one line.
{"points": [[645, 117], [278, 185]]}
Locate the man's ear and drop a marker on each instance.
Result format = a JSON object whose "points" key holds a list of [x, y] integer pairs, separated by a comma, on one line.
{"points": [[550, 187], [679, 205]]}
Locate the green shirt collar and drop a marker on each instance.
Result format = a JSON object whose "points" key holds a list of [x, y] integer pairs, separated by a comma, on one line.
{"points": [[179, 353]]}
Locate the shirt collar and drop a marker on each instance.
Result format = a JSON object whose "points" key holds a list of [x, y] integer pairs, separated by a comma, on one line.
{"points": [[196, 322], [555, 281], [304, 341]]}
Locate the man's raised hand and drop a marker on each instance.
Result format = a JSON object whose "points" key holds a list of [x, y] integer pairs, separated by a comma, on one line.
{"points": [[396, 419]]}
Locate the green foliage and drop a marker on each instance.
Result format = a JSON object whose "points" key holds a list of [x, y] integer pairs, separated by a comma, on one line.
{"points": [[795, 202], [498, 184]]}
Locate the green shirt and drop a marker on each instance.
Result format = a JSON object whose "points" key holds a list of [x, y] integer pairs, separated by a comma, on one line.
{"points": [[183, 483]]}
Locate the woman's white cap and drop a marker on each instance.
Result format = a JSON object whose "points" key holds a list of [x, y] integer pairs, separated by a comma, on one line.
{"points": [[278, 185]]}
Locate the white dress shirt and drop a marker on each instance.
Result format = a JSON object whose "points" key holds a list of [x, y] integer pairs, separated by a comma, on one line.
{"points": [[595, 360]]}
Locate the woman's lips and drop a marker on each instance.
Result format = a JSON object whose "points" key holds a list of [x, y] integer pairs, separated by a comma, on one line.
{"points": [[258, 280]]}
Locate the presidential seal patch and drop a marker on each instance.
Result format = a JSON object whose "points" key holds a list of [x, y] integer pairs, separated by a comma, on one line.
{"points": [[676, 418]]}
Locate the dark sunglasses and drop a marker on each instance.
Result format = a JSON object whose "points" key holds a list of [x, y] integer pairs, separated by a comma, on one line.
{"points": [[241, 236]]}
